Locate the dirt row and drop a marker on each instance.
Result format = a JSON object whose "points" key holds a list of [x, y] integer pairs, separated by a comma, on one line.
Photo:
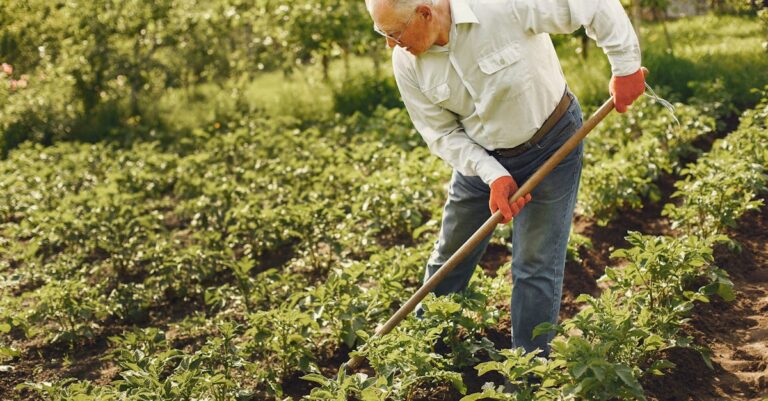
{"points": [[736, 332]]}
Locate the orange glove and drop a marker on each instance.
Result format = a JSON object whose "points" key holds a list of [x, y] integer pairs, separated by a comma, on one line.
{"points": [[626, 89], [501, 189]]}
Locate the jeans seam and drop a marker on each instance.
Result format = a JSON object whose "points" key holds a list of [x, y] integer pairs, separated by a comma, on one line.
{"points": [[566, 233]]}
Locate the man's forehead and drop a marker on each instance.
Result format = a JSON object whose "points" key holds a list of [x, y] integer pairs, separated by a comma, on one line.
{"points": [[382, 12]]}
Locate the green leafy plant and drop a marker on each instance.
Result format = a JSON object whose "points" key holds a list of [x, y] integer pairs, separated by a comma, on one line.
{"points": [[345, 386], [404, 359], [533, 378], [462, 319], [282, 337]]}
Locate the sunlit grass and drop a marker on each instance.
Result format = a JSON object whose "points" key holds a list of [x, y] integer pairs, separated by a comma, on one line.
{"points": [[703, 49], [303, 94], [305, 88]]}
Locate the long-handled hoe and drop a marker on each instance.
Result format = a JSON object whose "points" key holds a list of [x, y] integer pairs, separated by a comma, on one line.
{"points": [[490, 224]]}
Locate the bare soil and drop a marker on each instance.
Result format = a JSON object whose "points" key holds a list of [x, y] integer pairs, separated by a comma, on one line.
{"points": [[736, 332]]}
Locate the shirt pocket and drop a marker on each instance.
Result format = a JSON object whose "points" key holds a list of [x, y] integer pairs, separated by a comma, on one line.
{"points": [[506, 72]]}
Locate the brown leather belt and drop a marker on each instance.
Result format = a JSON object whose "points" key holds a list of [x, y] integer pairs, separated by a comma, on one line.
{"points": [[550, 122]]}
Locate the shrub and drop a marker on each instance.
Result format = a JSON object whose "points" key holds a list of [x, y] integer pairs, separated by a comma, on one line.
{"points": [[42, 109], [363, 93]]}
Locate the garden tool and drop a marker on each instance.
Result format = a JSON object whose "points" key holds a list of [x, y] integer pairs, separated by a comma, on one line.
{"points": [[490, 224]]}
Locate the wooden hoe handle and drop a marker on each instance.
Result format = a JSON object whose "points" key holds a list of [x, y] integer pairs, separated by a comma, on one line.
{"points": [[489, 225]]}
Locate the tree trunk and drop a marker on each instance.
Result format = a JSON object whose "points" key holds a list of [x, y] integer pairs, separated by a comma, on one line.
{"points": [[662, 17], [135, 81], [326, 61], [375, 54], [347, 68], [250, 54], [637, 16]]}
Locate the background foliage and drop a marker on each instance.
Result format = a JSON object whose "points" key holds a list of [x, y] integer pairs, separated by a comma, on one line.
{"points": [[219, 198]]}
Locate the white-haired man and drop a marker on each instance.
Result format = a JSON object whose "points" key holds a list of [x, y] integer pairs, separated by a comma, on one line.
{"points": [[483, 85]]}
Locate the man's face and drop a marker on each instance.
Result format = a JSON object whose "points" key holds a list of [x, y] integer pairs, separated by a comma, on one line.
{"points": [[412, 32]]}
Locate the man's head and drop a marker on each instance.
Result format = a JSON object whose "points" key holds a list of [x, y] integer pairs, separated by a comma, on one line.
{"points": [[414, 25]]}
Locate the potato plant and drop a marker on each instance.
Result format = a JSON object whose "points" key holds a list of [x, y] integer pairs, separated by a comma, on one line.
{"points": [[283, 247], [722, 185], [603, 351], [623, 159]]}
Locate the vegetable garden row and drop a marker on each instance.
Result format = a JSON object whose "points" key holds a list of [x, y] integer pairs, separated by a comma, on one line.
{"points": [[233, 264]]}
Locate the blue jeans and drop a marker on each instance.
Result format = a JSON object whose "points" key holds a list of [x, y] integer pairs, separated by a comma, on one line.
{"points": [[539, 234]]}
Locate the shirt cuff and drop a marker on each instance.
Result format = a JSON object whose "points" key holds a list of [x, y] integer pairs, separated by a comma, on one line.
{"points": [[489, 169], [623, 64]]}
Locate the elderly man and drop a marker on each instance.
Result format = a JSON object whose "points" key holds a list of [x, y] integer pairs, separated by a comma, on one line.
{"points": [[483, 85]]}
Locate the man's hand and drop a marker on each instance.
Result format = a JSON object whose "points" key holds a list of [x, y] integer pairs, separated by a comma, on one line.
{"points": [[501, 190], [626, 89]]}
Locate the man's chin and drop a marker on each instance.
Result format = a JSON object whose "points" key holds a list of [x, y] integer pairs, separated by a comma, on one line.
{"points": [[413, 51]]}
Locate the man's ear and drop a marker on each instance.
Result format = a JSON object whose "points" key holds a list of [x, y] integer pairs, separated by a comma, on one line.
{"points": [[425, 10]]}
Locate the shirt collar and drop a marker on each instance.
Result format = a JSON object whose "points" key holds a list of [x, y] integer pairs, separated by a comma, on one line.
{"points": [[461, 13]]}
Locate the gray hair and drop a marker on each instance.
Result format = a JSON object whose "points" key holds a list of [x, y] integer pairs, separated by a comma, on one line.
{"points": [[402, 8]]}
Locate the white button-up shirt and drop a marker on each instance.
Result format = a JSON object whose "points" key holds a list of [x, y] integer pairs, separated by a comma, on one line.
{"points": [[498, 78]]}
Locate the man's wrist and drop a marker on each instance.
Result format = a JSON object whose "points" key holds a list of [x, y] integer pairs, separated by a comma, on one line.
{"points": [[490, 170], [624, 64]]}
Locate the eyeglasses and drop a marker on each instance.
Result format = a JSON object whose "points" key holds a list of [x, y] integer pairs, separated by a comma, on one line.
{"points": [[390, 36]]}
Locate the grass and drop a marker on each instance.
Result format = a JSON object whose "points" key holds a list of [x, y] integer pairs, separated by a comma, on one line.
{"points": [[304, 94], [708, 48], [704, 49]]}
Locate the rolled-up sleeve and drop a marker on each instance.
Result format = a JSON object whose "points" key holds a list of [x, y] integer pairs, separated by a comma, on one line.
{"points": [[441, 130], [604, 20]]}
